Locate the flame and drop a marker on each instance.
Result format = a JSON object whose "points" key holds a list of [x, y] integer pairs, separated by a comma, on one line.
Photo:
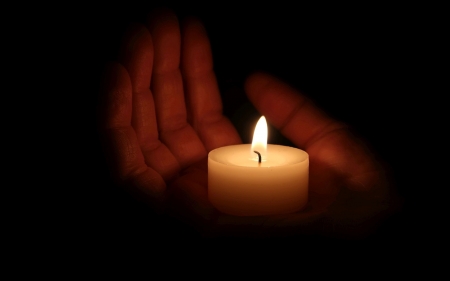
{"points": [[259, 142]]}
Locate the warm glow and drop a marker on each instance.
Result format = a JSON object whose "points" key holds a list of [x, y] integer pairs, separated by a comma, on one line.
{"points": [[259, 142]]}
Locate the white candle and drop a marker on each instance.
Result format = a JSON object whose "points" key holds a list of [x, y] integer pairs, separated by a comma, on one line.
{"points": [[238, 184]]}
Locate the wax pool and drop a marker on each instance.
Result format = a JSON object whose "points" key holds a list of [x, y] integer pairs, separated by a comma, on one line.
{"points": [[239, 185]]}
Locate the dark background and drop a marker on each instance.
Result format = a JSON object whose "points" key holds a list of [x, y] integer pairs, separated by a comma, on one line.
{"points": [[353, 61]]}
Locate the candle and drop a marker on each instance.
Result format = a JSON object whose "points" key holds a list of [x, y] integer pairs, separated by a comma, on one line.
{"points": [[258, 179]]}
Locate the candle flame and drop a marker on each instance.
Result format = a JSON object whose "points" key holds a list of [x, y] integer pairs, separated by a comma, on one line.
{"points": [[259, 142]]}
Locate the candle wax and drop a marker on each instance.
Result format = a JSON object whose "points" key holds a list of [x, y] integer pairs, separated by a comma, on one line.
{"points": [[239, 185]]}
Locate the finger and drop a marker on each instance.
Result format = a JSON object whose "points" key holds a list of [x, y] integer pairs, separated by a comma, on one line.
{"points": [[137, 57], [202, 92], [167, 87], [290, 112], [333, 150], [121, 143]]}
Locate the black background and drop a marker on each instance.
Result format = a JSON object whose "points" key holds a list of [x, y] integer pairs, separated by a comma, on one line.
{"points": [[353, 61]]}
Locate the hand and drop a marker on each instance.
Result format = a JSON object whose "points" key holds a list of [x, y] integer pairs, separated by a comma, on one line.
{"points": [[162, 114]]}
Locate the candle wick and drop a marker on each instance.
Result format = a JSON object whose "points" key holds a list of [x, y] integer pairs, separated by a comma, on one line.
{"points": [[259, 155]]}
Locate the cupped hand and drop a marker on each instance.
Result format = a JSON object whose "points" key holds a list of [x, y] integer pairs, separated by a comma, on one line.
{"points": [[162, 114]]}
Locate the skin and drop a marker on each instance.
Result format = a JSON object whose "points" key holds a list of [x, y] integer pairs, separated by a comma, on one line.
{"points": [[162, 114]]}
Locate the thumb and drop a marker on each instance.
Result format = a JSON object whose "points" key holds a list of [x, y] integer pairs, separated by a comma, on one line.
{"points": [[335, 153]]}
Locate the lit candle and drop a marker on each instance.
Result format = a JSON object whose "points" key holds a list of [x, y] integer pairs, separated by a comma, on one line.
{"points": [[258, 179]]}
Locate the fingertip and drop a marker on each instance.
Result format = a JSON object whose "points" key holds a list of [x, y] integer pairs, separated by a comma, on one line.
{"points": [[136, 54], [165, 31], [196, 52]]}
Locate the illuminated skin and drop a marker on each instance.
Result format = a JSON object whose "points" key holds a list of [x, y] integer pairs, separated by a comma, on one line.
{"points": [[162, 114]]}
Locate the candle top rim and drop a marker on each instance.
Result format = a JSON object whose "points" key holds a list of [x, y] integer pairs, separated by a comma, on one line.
{"points": [[277, 156]]}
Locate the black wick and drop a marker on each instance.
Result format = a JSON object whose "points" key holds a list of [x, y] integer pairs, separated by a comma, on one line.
{"points": [[259, 155]]}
